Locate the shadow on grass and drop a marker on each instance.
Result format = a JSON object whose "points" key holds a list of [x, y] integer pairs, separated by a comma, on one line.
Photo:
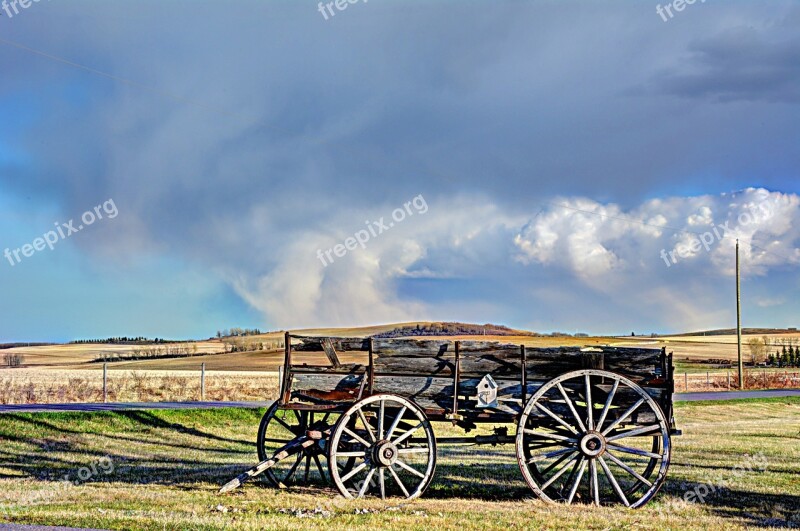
{"points": [[47, 449], [755, 508]]}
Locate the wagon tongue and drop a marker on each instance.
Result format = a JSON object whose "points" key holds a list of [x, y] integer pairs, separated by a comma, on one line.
{"points": [[291, 448]]}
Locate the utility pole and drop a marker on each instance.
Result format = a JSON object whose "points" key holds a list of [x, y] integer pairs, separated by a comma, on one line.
{"points": [[739, 317]]}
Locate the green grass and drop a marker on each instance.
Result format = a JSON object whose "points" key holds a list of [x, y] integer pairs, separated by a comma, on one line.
{"points": [[168, 466]]}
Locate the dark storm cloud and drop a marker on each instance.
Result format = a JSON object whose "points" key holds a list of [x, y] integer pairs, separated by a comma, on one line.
{"points": [[740, 64]]}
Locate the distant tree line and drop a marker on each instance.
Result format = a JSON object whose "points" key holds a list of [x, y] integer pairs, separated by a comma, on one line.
{"points": [[238, 332], [151, 352], [124, 340], [450, 329]]}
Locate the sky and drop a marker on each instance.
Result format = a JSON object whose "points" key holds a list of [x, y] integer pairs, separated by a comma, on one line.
{"points": [[549, 165]]}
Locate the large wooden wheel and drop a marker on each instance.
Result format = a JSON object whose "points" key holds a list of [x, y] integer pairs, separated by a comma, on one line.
{"points": [[278, 427], [383, 445], [596, 437]]}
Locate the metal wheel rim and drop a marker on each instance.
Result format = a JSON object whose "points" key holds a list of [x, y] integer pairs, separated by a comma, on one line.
{"points": [[308, 463], [552, 447], [404, 434]]}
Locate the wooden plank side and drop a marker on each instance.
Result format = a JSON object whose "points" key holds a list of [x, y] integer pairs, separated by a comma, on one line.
{"points": [[402, 348], [341, 344]]}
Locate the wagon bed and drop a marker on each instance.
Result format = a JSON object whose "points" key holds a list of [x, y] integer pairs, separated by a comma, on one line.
{"points": [[366, 406]]}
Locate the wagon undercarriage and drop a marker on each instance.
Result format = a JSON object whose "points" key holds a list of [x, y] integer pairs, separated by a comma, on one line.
{"points": [[590, 426]]}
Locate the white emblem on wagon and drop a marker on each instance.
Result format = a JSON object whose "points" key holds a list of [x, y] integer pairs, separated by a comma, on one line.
{"points": [[487, 392]]}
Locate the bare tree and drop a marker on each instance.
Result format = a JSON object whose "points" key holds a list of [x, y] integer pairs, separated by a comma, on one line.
{"points": [[758, 349]]}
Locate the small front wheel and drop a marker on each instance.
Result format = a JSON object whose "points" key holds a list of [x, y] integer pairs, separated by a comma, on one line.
{"points": [[382, 445], [279, 427]]}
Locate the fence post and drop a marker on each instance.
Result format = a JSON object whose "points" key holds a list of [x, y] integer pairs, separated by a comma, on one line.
{"points": [[729, 380], [105, 382], [686, 381], [708, 380], [202, 381], [766, 380]]}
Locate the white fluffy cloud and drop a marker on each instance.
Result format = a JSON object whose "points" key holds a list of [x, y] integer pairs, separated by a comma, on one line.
{"points": [[575, 242]]}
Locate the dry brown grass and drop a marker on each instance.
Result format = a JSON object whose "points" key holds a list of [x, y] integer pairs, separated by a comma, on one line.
{"points": [[40, 387]]}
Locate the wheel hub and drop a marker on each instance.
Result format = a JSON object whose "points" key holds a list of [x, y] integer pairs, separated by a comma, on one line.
{"points": [[593, 444], [384, 453]]}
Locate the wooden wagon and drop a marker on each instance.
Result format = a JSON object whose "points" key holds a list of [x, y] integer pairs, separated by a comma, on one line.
{"points": [[590, 425]]}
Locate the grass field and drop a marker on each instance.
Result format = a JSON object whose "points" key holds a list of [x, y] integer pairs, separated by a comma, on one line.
{"points": [[162, 469]]}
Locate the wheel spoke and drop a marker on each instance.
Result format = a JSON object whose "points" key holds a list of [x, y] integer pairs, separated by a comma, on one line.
{"points": [[366, 427], [578, 479], [365, 485], [408, 468], [633, 433], [395, 423], [353, 472], [623, 417], [555, 417], [357, 437], [555, 464], [553, 436], [382, 481], [607, 406], [319, 466], [351, 454], [415, 450], [294, 467], [408, 434], [284, 424], [571, 406], [560, 471], [399, 483], [589, 405], [595, 488], [635, 451], [381, 416], [307, 470], [627, 469], [555, 453], [613, 481]]}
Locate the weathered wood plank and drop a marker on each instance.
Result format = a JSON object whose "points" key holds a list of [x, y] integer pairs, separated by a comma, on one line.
{"points": [[330, 352], [341, 344]]}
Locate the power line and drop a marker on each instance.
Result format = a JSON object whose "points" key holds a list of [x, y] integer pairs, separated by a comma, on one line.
{"points": [[106, 75]]}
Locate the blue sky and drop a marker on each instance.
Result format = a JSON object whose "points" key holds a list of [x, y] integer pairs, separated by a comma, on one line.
{"points": [[559, 148]]}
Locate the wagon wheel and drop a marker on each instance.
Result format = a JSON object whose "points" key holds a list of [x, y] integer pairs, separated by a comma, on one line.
{"points": [[593, 436], [278, 427], [392, 443]]}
